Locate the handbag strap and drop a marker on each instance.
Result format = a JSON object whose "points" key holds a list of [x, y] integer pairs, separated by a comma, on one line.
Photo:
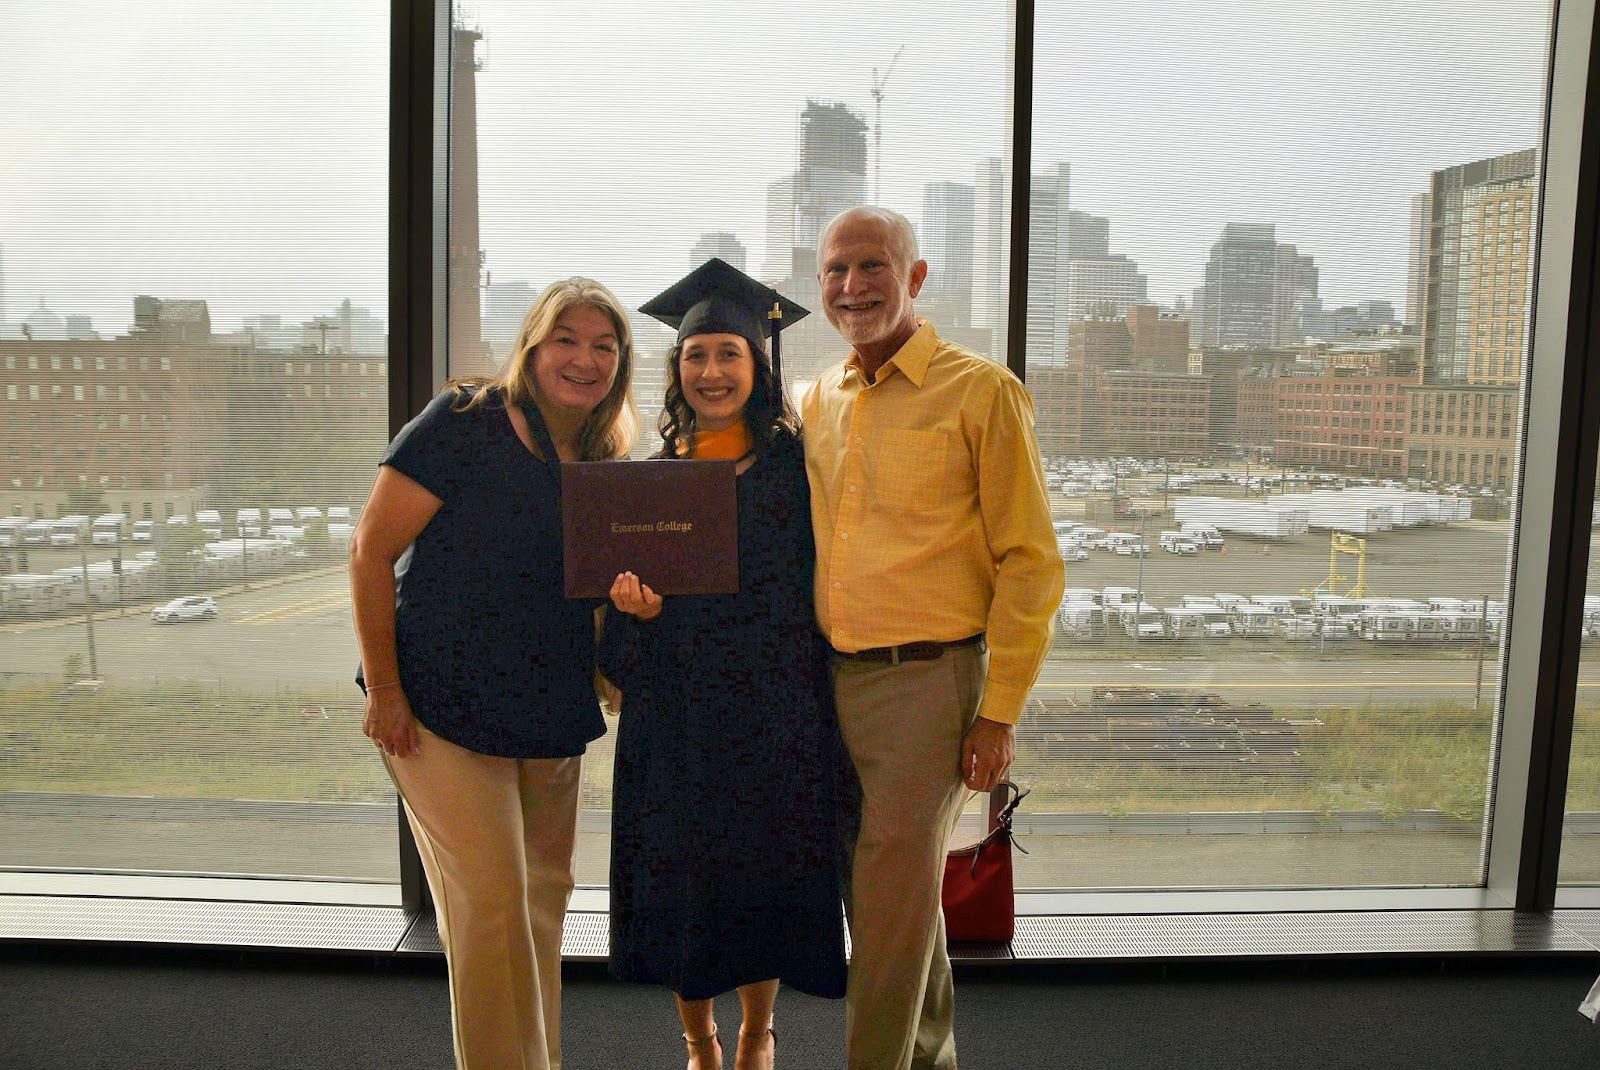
{"points": [[1003, 802], [1000, 820]]}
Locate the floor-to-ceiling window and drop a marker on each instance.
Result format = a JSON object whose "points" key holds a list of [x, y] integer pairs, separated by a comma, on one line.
{"points": [[1278, 325], [193, 394], [1278, 311]]}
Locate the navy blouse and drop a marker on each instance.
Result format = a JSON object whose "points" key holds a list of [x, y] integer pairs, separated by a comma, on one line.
{"points": [[493, 656]]}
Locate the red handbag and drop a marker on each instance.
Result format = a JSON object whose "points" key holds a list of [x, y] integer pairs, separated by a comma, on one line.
{"points": [[978, 894]]}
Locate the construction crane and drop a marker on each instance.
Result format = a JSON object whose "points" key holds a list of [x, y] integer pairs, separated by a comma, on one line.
{"points": [[877, 124]]}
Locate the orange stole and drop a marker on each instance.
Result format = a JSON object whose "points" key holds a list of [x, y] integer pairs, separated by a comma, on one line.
{"points": [[729, 444]]}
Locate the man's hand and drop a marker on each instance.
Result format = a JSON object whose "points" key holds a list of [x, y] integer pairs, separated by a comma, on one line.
{"points": [[986, 753]]}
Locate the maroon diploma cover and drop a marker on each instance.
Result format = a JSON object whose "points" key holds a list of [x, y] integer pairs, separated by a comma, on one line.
{"points": [[674, 524]]}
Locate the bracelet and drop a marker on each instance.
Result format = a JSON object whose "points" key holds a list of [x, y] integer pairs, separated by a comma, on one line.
{"points": [[379, 687]]}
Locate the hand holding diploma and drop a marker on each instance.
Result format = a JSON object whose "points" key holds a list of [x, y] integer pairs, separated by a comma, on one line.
{"points": [[631, 596]]}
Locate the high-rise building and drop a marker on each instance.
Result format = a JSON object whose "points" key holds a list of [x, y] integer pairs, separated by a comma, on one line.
{"points": [[1099, 283], [945, 240], [506, 305], [1072, 273], [831, 176], [720, 244], [3, 319], [990, 245], [1479, 261], [1294, 288], [1049, 202], [1253, 289], [1417, 267]]}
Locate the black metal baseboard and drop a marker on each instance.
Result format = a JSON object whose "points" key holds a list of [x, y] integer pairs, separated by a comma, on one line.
{"points": [[1039, 938]]}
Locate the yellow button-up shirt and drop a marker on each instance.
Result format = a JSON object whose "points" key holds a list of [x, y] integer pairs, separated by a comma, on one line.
{"points": [[930, 510]]}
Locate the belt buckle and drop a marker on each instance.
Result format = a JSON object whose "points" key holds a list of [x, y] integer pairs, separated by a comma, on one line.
{"points": [[894, 655]]}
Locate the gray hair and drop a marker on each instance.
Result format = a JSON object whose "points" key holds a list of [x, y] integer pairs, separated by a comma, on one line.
{"points": [[902, 238]]}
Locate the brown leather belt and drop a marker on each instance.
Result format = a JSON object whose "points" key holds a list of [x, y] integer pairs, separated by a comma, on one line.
{"points": [[927, 650]]}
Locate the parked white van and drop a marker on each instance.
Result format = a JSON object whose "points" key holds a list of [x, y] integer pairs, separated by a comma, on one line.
{"points": [[1093, 538], [1117, 597], [1176, 542], [1127, 544], [1203, 533], [69, 531], [109, 529]]}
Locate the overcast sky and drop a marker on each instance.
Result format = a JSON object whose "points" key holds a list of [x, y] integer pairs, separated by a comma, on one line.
{"points": [[239, 153]]}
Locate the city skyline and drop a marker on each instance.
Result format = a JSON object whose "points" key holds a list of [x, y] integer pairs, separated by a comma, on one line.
{"points": [[1334, 167]]}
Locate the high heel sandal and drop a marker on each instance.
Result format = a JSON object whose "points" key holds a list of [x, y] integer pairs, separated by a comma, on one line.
{"points": [[760, 1034], [709, 1038]]}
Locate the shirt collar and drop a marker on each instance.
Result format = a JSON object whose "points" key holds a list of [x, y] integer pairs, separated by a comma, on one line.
{"points": [[911, 359]]}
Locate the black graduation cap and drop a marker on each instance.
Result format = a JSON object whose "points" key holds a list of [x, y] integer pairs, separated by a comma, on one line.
{"points": [[718, 298]]}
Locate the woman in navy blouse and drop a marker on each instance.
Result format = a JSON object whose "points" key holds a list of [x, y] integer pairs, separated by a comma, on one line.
{"points": [[479, 673]]}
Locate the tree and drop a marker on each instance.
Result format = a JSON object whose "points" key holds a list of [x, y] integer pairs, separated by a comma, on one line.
{"points": [[178, 549], [86, 500]]}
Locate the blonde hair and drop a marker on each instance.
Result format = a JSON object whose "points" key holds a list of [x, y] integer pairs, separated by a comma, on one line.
{"points": [[610, 430]]}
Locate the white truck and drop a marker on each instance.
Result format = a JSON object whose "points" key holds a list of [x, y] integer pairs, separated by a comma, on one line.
{"points": [[1176, 542], [11, 530], [1203, 534], [109, 529], [69, 531]]}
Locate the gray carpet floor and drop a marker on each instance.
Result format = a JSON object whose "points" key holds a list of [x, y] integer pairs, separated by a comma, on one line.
{"points": [[80, 1009]]}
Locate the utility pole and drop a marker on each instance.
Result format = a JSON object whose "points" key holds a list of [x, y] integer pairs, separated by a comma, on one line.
{"points": [[1483, 626], [877, 125], [88, 606], [1138, 605]]}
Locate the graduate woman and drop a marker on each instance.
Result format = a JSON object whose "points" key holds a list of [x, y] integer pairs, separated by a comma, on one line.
{"points": [[724, 849]]}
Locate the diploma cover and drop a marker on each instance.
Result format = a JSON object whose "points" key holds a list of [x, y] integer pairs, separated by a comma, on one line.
{"points": [[674, 524]]}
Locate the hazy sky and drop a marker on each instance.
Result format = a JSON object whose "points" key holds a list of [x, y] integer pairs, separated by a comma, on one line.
{"points": [[201, 150]]}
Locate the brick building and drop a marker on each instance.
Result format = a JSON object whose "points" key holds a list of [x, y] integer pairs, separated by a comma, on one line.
{"points": [[1160, 340], [1463, 434], [171, 418]]}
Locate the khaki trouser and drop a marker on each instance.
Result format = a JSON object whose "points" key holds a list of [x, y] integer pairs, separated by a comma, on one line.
{"points": [[496, 837], [903, 725]]}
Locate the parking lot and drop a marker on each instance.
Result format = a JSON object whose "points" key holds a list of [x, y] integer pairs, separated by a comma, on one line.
{"points": [[1467, 560]]}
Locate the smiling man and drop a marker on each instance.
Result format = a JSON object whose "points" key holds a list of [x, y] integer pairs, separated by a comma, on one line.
{"points": [[937, 579]]}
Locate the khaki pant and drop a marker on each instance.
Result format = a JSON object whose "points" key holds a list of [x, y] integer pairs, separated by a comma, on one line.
{"points": [[903, 725], [496, 837]]}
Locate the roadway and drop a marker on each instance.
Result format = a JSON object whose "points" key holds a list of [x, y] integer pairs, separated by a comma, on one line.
{"points": [[300, 629], [297, 628]]}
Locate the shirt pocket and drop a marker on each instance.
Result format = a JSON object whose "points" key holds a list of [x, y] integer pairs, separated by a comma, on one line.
{"points": [[913, 471]]}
